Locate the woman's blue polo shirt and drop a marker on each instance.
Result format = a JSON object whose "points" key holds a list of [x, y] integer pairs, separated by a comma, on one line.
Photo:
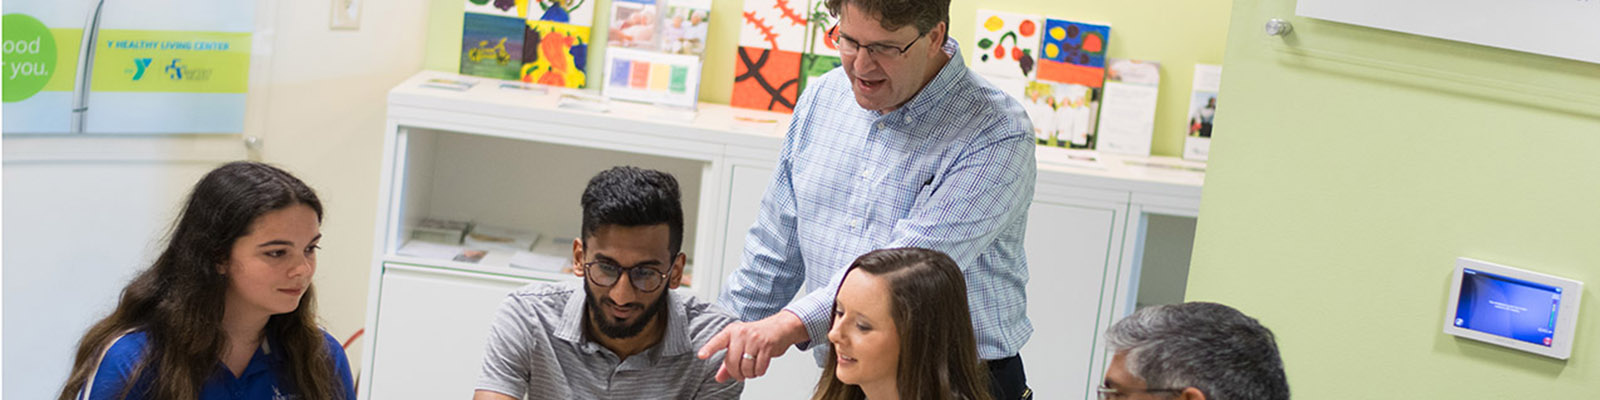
{"points": [[260, 380]]}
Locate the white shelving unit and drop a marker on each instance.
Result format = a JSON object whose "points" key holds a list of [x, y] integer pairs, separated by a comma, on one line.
{"points": [[512, 157]]}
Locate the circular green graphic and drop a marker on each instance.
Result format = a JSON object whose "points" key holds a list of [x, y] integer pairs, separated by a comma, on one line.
{"points": [[29, 59]]}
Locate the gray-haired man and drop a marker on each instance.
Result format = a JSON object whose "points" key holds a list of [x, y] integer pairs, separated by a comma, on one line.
{"points": [[1193, 351]]}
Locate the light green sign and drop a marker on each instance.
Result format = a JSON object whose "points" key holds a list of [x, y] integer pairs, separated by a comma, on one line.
{"points": [[29, 59]]}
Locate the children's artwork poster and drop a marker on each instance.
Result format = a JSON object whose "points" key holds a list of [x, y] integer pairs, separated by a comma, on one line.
{"points": [[558, 54], [491, 46], [813, 66], [504, 8], [1007, 44], [1128, 107], [1202, 111], [685, 28], [633, 24], [1074, 52], [149, 70], [652, 77], [548, 44], [1063, 114], [574, 12], [819, 39], [766, 79], [774, 24]]}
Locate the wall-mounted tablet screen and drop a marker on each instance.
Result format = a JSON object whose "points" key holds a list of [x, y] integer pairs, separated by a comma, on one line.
{"points": [[1508, 307], [1513, 307]]}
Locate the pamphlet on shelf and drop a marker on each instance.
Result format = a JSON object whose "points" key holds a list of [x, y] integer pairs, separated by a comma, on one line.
{"points": [[459, 85], [756, 122], [534, 89], [673, 113], [1171, 166], [540, 262], [437, 251], [584, 101], [558, 247], [485, 236], [429, 250], [470, 255], [1069, 157], [1128, 107], [441, 230]]}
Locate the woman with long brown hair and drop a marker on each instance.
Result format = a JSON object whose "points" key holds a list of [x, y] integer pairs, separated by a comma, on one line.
{"points": [[227, 310], [902, 330]]}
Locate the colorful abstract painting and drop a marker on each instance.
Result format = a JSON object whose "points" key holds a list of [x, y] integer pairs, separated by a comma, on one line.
{"points": [[766, 79], [559, 53], [820, 23], [574, 12], [491, 46], [813, 66], [774, 24], [1007, 44], [1074, 52]]}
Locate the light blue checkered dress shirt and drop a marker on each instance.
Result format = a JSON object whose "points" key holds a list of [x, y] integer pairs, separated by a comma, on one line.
{"points": [[951, 170]]}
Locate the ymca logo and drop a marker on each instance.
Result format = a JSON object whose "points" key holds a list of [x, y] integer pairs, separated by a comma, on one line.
{"points": [[177, 70], [139, 64]]}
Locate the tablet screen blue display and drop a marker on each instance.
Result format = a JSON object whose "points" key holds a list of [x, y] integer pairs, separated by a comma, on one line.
{"points": [[1509, 307]]}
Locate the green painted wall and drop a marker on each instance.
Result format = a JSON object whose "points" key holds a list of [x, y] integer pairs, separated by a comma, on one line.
{"points": [[1176, 33], [1352, 166]]}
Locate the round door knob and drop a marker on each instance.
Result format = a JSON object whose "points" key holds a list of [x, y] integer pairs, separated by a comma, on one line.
{"points": [[1278, 27]]}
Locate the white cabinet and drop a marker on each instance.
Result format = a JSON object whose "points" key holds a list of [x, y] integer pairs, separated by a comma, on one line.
{"points": [[435, 323], [512, 157], [1071, 247]]}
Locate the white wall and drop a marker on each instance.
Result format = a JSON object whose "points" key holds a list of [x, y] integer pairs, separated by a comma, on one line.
{"points": [[325, 124], [82, 215]]}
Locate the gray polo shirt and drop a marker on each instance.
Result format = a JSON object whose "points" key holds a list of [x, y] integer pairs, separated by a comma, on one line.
{"points": [[536, 349]]}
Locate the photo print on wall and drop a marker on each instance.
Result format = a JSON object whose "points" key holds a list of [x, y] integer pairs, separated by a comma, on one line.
{"points": [[685, 29], [633, 24]]}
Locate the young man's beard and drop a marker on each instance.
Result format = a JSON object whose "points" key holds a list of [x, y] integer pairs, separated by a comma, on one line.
{"points": [[622, 330]]}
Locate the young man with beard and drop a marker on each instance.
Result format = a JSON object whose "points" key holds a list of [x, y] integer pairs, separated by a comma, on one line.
{"points": [[621, 333]]}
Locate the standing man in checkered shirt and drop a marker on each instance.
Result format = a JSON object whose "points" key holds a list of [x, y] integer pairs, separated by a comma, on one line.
{"points": [[902, 146]]}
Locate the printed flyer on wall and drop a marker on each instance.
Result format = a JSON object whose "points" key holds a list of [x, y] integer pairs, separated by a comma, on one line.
{"points": [[126, 67], [1202, 111]]}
